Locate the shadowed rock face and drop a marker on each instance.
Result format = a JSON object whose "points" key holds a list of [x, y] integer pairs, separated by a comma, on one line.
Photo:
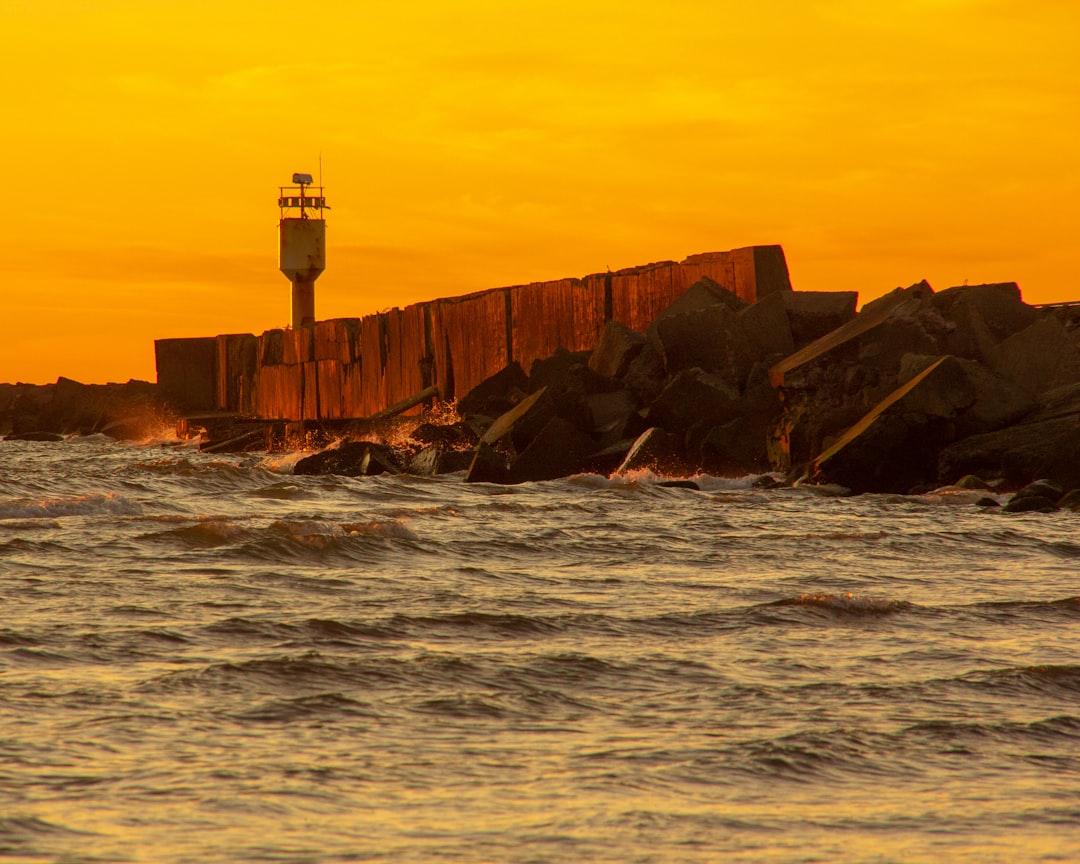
{"points": [[130, 411]]}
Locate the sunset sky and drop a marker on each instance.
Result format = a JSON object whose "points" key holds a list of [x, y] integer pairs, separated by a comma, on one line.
{"points": [[473, 145]]}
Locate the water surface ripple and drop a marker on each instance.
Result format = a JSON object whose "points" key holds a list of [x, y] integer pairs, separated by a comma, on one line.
{"points": [[208, 659]]}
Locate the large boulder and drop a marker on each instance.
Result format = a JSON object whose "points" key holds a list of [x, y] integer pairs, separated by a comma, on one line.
{"points": [[616, 349], [711, 338], [436, 459], [1039, 358], [702, 295], [981, 316], [350, 459], [645, 375], [558, 450], [497, 393], [694, 396], [812, 314], [766, 326], [895, 446], [1042, 445]]}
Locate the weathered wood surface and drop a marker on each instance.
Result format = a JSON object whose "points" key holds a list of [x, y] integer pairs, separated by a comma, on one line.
{"points": [[355, 367]]}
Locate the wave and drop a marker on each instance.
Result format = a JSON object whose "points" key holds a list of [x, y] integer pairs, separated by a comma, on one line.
{"points": [[110, 504], [846, 605], [1055, 681]]}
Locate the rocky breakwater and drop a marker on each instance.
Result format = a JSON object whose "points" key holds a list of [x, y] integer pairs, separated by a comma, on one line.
{"points": [[52, 412], [919, 389]]}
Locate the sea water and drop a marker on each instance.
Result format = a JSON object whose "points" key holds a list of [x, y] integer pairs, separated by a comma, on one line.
{"points": [[205, 658]]}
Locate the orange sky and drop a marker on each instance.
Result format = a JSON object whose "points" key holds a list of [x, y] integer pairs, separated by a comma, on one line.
{"points": [[474, 145]]}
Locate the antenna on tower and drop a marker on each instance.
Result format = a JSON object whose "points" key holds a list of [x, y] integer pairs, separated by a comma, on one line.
{"points": [[320, 167]]}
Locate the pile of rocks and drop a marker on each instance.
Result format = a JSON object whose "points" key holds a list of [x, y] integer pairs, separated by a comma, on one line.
{"points": [[51, 412], [915, 391]]}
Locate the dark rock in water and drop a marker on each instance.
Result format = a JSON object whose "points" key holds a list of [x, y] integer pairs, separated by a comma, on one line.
{"points": [[33, 436], [453, 436], [694, 396], [895, 446], [616, 349], [970, 481], [496, 394], [1021, 453], [1030, 504], [351, 459], [657, 451], [987, 502], [679, 484], [813, 314], [767, 481], [488, 466], [607, 460], [1040, 489], [558, 450], [733, 449], [1070, 501], [435, 459]]}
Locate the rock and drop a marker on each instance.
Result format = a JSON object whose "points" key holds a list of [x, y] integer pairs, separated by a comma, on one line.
{"points": [[981, 316], [679, 484], [1030, 504], [734, 449], [1039, 358], [1019, 453], [694, 396], [657, 451], [645, 375], [987, 502], [813, 314], [616, 349], [1039, 445], [614, 415], [451, 436], [1040, 489], [1070, 501], [558, 450], [562, 370], [487, 466], [970, 481], [496, 394], [504, 423], [702, 295], [350, 459], [711, 339], [436, 459], [766, 326], [607, 460], [895, 446], [900, 302]]}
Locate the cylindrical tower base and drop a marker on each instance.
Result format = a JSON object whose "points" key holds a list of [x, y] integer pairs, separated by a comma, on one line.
{"points": [[303, 304]]}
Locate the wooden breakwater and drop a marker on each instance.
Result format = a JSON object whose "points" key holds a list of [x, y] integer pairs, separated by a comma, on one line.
{"points": [[355, 367]]}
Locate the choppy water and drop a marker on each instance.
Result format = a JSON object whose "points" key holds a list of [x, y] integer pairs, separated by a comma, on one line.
{"points": [[208, 659]]}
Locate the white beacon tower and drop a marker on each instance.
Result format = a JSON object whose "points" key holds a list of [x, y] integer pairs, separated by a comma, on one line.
{"points": [[303, 244]]}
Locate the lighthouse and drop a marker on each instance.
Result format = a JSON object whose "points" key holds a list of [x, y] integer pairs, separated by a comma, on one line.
{"points": [[303, 243]]}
